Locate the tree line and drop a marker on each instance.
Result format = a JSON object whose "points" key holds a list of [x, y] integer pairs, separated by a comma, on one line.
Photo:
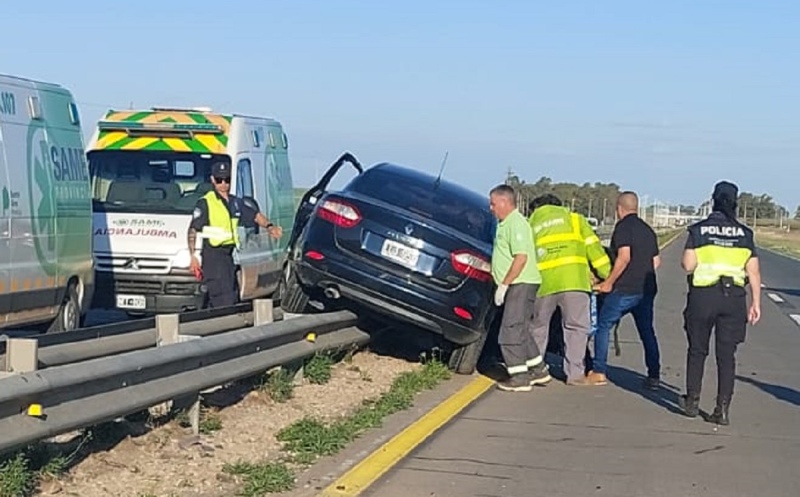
{"points": [[598, 200]]}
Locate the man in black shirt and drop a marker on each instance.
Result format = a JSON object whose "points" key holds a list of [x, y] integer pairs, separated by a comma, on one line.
{"points": [[216, 218], [631, 287]]}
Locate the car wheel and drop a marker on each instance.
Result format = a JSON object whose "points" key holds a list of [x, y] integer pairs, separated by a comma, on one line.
{"points": [[464, 359], [293, 296], [69, 315]]}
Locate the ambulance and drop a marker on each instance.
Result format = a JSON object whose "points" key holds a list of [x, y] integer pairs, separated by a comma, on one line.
{"points": [[148, 169], [46, 274]]}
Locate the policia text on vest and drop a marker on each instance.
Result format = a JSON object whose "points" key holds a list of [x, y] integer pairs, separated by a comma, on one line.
{"points": [[720, 255], [217, 217]]}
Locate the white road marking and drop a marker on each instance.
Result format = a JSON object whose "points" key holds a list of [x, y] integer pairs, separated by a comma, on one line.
{"points": [[775, 297], [763, 285], [795, 318]]}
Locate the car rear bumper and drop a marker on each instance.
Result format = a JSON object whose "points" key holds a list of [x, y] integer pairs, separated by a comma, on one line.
{"points": [[161, 293], [393, 300]]}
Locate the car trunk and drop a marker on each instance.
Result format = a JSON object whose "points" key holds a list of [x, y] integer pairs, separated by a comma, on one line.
{"points": [[406, 244]]}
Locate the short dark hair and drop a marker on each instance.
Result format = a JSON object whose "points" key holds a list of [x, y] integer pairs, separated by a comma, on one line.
{"points": [[505, 191], [546, 199]]}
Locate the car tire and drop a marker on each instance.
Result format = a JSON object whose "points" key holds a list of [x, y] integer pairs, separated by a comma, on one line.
{"points": [[293, 296], [464, 360], [69, 315]]}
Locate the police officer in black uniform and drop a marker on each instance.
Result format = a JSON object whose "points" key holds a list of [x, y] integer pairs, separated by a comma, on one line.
{"points": [[216, 219], [721, 257]]}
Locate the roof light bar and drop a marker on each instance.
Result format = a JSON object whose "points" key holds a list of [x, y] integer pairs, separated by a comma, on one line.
{"points": [[162, 126]]}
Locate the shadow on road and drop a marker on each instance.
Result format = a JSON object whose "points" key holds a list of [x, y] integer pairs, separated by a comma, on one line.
{"points": [[794, 292], [632, 381], [785, 394]]}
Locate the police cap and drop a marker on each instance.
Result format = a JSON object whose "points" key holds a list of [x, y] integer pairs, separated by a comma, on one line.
{"points": [[725, 190], [221, 170]]}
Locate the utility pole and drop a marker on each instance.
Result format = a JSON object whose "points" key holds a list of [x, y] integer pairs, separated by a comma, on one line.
{"points": [[605, 200], [590, 207]]}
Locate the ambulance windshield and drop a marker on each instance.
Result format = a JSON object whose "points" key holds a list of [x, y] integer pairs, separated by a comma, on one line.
{"points": [[149, 182]]}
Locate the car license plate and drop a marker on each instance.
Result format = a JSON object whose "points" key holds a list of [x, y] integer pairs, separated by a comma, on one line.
{"points": [[400, 253], [131, 302]]}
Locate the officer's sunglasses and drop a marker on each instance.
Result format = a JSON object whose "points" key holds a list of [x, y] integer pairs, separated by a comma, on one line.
{"points": [[222, 180]]}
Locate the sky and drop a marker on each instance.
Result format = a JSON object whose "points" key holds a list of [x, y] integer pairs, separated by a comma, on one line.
{"points": [[664, 98]]}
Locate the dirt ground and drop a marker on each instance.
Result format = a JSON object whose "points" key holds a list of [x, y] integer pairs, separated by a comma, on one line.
{"points": [[785, 242], [168, 461]]}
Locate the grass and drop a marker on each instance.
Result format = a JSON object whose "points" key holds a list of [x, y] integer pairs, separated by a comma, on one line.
{"points": [[318, 369], [665, 236], [781, 241], [308, 439], [279, 385], [22, 471]]}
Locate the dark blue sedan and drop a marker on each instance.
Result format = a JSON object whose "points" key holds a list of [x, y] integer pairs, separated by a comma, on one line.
{"points": [[399, 242]]}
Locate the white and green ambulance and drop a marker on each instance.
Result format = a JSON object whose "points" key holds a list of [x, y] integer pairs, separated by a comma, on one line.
{"points": [[46, 273], [148, 169]]}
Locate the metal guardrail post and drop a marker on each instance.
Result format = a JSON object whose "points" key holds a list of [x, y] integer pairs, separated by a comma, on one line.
{"points": [[263, 312], [22, 356]]}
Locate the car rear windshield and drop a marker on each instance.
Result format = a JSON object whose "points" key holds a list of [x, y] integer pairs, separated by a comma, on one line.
{"points": [[465, 211]]}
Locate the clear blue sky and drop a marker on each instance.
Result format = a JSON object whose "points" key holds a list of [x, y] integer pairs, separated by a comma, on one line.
{"points": [[661, 97]]}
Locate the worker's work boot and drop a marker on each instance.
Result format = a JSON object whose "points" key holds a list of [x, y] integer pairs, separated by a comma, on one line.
{"points": [[540, 375], [515, 383], [690, 404], [720, 414]]}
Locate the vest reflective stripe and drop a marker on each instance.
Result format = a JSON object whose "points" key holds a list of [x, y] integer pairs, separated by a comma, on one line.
{"points": [[714, 262], [592, 239], [562, 261], [222, 229], [557, 238], [601, 261]]}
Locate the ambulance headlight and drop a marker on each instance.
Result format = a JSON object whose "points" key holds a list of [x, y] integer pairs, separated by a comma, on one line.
{"points": [[182, 259]]}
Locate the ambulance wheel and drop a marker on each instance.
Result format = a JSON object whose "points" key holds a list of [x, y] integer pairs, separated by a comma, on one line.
{"points": [[69, 315], [291, 293], [464, 360]]}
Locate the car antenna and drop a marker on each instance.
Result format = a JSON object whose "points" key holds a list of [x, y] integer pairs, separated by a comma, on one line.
{"points": [[441, 170]]}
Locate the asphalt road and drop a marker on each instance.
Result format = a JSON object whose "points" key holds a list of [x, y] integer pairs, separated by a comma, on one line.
{"points": [[620, 441], [781, 277]]}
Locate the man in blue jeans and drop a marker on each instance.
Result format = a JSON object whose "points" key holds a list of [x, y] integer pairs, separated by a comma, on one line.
{"points": [[630, 288]]}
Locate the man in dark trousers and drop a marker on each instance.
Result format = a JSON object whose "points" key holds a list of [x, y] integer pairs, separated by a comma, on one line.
{"points": [[216, 218], [631, 287], [517, 278]]}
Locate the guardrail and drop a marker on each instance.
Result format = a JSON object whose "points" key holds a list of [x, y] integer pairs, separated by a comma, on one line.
{"points": [[99, 341], [37, 405]]}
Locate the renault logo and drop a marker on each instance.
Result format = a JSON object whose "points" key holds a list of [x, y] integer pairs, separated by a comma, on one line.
{"points": [[131, 264], [409, 229]]}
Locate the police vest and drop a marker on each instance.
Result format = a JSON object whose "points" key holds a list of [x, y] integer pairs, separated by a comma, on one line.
{"points": [[723, 249], [222, 229], [566, 245]]}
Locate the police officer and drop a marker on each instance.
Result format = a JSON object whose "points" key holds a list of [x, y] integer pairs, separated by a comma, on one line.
{"points": [[720, 256], [216, 218]]}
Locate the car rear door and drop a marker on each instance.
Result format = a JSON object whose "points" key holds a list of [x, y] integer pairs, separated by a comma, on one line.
{"points": [[309, 200]]}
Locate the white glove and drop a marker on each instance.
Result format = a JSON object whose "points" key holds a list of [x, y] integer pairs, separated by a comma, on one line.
{"points": [[500, 295]]}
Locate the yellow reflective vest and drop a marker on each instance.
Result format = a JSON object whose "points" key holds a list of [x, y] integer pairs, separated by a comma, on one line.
{"points": [[565, 247], [222, 229], [722, 247]]}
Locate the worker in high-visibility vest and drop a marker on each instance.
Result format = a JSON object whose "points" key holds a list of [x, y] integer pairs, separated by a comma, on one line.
{"points": [[567, 249], [216, 218], [720, 255]]}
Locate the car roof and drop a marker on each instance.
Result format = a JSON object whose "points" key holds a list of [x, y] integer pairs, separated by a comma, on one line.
{"points": [[422, 177]]}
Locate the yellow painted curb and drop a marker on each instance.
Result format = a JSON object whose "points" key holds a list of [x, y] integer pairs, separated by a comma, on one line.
{"points": [[365, 473]]}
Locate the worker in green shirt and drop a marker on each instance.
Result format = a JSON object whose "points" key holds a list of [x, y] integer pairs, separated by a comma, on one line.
{"points": [[517, 278]]}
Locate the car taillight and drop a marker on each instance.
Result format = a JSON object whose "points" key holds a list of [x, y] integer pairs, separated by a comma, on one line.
{"points": [[339, 213], [471, 265]]}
